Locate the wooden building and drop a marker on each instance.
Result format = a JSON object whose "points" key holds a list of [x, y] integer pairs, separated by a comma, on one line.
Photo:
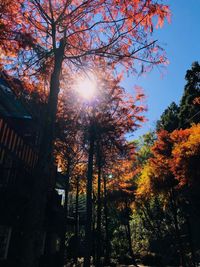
{"points": [[20, 131]]}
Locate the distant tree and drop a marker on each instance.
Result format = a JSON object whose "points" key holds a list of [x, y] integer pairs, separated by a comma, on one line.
{"points": [[143, 149], [101, 126], [171, 174], [69, 154], [121, 193], [150, 222], [186, 168], [169, 119], [189, 104], [187, 112], [157, 178], [115, 115], [186, 158]]}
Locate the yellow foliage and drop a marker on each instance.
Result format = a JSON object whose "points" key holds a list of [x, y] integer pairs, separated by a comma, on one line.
{"points": [[175, 162], [144, 182]]}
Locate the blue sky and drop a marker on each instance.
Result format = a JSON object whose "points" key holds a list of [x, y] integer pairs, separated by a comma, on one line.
{"points": [[181, 40]]}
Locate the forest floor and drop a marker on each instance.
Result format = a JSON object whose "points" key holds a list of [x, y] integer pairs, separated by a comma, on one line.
{"points": [[121, 265], [118, 265]]}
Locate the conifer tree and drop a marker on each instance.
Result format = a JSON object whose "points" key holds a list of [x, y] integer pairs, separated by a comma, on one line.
{"points": [[189, 106], [169, 120]]}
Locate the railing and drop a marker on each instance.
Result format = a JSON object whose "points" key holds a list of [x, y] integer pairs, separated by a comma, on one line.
{"points": [[11, 142], [17, 158]]}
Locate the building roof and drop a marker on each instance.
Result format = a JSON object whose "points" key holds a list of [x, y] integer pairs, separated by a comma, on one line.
{"points": [[10, 104]]}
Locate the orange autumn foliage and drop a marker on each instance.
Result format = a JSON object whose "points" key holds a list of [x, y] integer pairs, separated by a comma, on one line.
{"points": [[186, 156], [121, 176], [116, 30], [175, 162]]}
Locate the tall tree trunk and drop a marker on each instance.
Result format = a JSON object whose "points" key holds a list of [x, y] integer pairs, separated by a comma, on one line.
{"points": [[129, 237], [107, 248], [177, 229], [98, 242], [77, 219], [64, 230], [94, 223], [34, 228], [130, 243], [190, 239], [88, 226]]}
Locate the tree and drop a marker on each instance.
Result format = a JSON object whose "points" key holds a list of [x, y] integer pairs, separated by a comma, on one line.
{"points": [[113, 116], [171, 173], [150, 224], [102, 125], [186, 155], [189, 106], [9, 20], [169, 119], [120, 189], [49, 30], [69, 155], [157, 178], [175, 117], [186, 169], [70, 151]]}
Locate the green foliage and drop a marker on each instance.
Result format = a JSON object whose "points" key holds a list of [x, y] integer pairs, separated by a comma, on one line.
{"points": [[169, 119], [163, 221], [117, 233], [143, 148], [189, 110], [153, 231]]}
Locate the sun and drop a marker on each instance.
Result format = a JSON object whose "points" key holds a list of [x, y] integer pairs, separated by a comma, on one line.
{"points": [[86, 85]]}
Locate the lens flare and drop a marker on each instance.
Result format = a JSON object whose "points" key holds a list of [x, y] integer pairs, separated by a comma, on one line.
{"points": [[87, 85]]}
